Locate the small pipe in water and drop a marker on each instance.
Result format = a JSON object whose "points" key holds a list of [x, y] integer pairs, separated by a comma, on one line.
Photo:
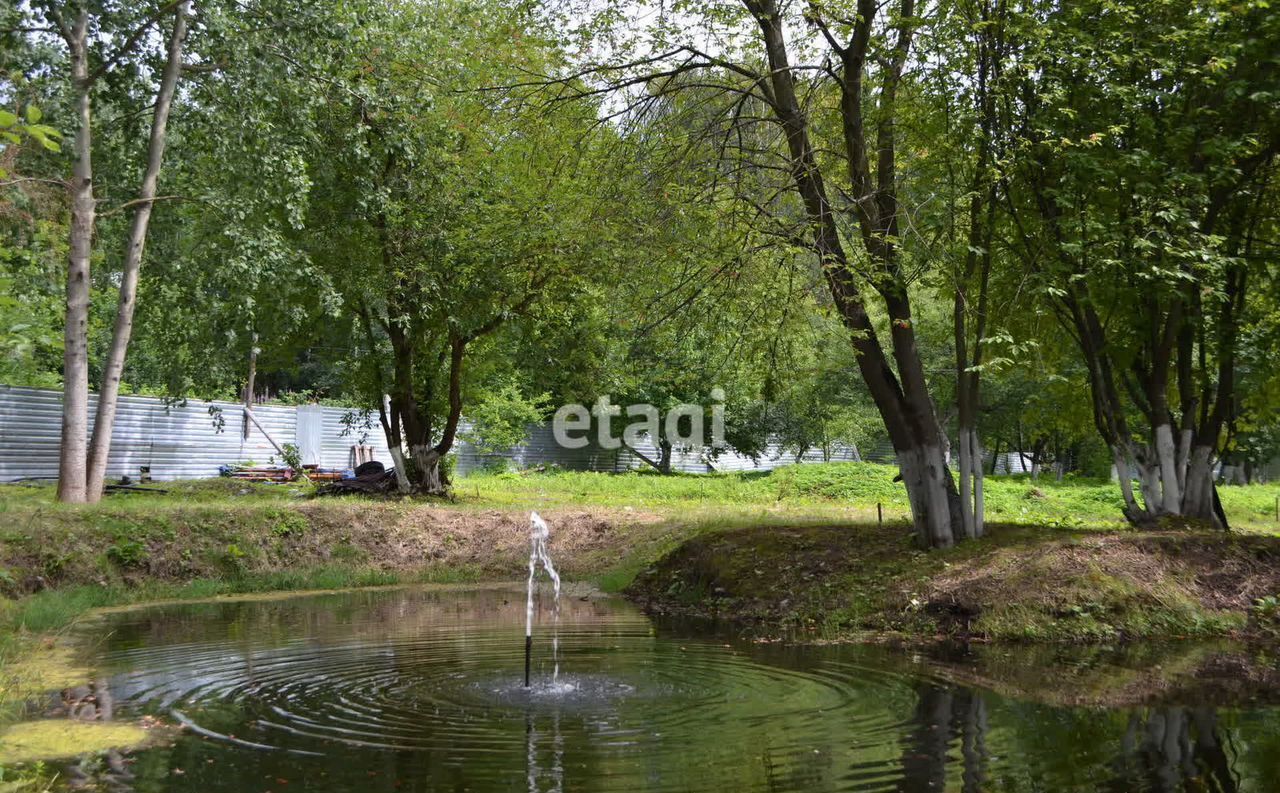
{"points": [[528, 653]]}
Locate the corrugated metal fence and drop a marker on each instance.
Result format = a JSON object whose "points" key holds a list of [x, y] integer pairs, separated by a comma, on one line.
{"points": [[182, 440], [190, 439]]}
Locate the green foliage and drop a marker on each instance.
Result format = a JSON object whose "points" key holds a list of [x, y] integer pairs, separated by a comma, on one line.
{"points": [[14, 128], [292, 456], [1266, 613], [346, 173], [31, 296], [287, 523], [500, 417], [127, 553], [35, 777]]}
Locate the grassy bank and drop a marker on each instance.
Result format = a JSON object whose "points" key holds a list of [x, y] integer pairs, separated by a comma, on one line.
{"points": [[862, 581], [851, 489], [223, 537]]}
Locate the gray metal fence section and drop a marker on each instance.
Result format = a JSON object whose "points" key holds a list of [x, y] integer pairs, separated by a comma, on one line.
{"points": [[190, 439], [184, 440]]}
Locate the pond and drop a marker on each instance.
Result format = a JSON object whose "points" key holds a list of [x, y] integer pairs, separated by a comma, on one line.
{"points": [[421, 690]]}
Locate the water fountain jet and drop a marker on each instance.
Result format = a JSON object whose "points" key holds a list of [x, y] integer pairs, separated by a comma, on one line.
{"points": [[539, 535]]}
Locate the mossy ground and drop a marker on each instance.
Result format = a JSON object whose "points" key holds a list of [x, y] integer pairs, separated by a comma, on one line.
{"points": [[50, 739]]}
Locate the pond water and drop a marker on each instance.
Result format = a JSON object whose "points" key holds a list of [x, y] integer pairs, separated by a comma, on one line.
{"points": [[420, 690]]}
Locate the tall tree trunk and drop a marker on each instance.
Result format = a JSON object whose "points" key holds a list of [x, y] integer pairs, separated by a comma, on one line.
{"points": [[429, 476], [903, 399], [75, 357], [1198, 496], [108, 396], [1166, 451], [966, 487], [387, 416], [1120, 458]]}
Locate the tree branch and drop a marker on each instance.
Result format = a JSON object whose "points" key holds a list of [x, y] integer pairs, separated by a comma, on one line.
{"points": [[133, 39]]}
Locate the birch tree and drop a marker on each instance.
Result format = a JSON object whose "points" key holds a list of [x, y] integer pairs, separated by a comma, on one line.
{"points": [[100, 38]]}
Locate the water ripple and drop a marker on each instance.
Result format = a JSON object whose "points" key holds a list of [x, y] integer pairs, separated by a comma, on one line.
{"points": [[422, 690]]}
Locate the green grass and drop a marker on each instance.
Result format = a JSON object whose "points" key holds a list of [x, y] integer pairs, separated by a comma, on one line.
{"points": [[851, 488]]}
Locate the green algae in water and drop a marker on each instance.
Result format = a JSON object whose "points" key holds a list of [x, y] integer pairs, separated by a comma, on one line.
{"points": [[51, 739]]}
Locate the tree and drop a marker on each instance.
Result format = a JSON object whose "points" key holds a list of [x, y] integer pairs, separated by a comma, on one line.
{"points": [[441, 214], [100, 445], [98, 41], [1150, 142], [964, 87], [837, 151]]}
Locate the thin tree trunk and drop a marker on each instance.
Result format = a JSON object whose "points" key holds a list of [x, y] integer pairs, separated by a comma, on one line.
{"points": [[73, 448], [1124, 475], [248, 384], [108, 396], [979, 506], [387, 417], [1167, 458], [963, 408], [966, 487]]}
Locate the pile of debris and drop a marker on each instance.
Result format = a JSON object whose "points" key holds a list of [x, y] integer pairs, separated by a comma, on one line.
{"points": [[282, 474], [257, 473], [371, 478]]}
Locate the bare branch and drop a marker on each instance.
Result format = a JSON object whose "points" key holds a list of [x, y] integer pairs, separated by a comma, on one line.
{"points": [[140, 201], [21, 180]]}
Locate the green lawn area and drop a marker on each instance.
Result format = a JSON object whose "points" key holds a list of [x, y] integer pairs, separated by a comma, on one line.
{"points": [[853, 489], [850, 490]]}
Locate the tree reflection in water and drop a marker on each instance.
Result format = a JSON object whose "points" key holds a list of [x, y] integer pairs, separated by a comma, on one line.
{"points": [[1165, 748]]}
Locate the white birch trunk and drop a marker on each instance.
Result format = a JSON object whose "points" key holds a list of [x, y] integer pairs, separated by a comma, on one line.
{"points": [[108, 396], [73, 448]]}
